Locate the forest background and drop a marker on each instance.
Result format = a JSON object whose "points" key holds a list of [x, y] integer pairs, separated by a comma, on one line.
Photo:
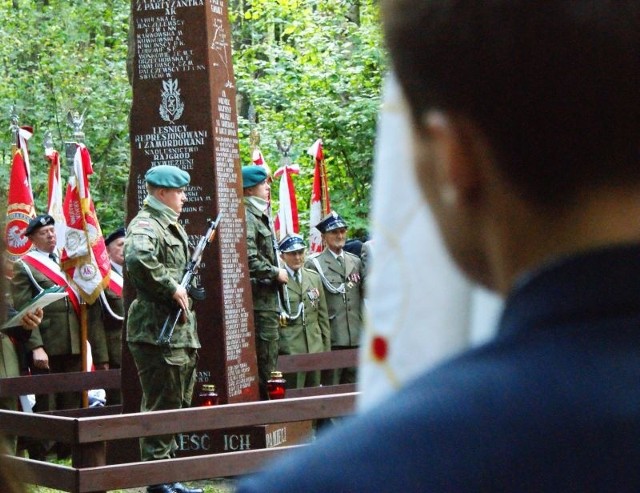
{"points": [[310, 69]]}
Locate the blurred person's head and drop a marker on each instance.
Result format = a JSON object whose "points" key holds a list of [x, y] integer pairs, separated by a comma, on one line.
{"points": [[524, 114]]}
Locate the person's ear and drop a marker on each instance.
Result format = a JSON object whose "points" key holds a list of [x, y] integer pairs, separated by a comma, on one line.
{"points": [[458, 151]]}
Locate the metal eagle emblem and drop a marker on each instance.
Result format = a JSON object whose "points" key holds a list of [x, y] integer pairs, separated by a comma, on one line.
{"points": [[172, 106]]}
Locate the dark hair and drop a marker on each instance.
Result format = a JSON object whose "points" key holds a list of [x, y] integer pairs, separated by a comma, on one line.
{"points": [[553, 85]]}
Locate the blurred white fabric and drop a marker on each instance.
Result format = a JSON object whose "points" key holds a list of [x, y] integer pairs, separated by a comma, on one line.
{"points": [[419, 305]]}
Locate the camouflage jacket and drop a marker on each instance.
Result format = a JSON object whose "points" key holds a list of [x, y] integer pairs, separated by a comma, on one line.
{"points": [[156, 253], [263, 265]]}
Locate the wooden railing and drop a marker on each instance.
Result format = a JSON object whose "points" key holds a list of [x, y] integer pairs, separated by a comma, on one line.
{"points": [[89, 430]]}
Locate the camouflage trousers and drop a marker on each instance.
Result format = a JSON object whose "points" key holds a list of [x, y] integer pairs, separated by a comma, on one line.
{"points": [[267, 325], [167, 377]]}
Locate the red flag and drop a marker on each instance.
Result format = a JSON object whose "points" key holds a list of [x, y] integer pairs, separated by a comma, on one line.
{"points": [[287, 220], [20, 206], [54, 208], [84, 257], [320, 204]]}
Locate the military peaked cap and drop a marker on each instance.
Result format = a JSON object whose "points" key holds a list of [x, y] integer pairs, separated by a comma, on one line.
{"points": [[165, 176], [331, 221], [253, 175], [291, 243], [118, 233], [39, 222]]}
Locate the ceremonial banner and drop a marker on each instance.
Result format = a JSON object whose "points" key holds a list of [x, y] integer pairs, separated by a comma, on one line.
{"points": [[320, 204], [287, 220], [84, 257], [20, 206], [258, 160], [420, 309], [55, 201]]}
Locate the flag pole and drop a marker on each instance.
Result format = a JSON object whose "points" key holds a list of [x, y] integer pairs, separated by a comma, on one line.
{"points": [[326, 205], [76, 121], [15, 131]]}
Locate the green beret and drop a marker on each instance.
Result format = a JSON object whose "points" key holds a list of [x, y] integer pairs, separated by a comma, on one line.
{"points": [[252, 175], [165, 176]]}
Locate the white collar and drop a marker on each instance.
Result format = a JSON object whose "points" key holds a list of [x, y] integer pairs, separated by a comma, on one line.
{"points": [[116, 267]]}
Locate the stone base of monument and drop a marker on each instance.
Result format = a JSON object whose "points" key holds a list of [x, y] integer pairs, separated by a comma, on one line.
{"points": [[244, 438]]}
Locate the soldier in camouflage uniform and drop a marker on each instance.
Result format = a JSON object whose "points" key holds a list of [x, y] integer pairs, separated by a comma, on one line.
{"points": [[266, 275], [156, 253]]}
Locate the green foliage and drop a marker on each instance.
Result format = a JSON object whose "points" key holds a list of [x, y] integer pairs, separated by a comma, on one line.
{"points": [[311, 69], [58, 56]]}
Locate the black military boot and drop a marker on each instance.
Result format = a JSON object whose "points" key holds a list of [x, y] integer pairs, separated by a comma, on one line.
{"points": [[180, 488]]}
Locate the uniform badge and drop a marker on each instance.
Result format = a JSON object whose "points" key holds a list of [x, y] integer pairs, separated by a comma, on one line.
{"points": [[354, 278], [314, 296]]}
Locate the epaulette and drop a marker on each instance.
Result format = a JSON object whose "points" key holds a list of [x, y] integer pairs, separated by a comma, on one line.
{"points": [[314, 255]]}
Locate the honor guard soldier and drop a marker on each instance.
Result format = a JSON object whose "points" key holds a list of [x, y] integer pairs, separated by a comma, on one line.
{"points": [[113, 313], [307, 329], [267, 277], [156, 254], [55, 345], [343, 280]]}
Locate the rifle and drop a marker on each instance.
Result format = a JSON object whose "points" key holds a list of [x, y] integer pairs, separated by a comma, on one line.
{"points": [[190, 270]]}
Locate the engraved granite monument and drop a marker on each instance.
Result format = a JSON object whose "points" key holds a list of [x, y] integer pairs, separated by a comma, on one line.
{"points": [[184, 114]]}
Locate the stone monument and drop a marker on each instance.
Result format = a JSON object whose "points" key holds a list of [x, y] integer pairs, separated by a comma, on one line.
{"points": [[184, 114]]}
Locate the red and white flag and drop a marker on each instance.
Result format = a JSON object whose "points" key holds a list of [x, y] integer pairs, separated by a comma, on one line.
{"points": [[258, 160], [20, 205], [84, 256], [453, 313], [320, 204], [55, 202], [287, 221]]}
